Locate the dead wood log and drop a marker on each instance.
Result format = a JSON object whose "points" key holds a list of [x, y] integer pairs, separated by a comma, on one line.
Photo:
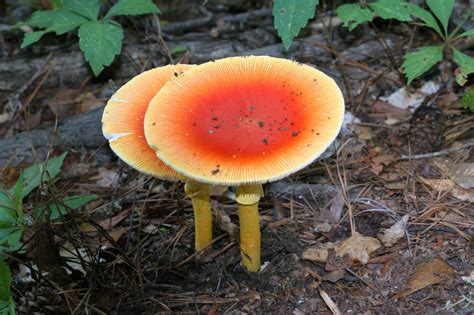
{"points": [[79, 132]]}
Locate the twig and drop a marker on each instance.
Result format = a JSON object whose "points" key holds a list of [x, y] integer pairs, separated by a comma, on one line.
{"points": [[161, 39], [435, 154], [329, 302]]}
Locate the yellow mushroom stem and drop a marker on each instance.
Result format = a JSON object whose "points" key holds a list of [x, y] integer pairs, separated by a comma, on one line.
{"points": [[248, 197], [200, 197]]}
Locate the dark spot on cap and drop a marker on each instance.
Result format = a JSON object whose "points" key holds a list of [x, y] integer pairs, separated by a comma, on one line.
{"points": [[265, 141], [176, 74], [261, 124], [216, 170], [153, 124], [214, 117], [216, 126], [295, 133]]}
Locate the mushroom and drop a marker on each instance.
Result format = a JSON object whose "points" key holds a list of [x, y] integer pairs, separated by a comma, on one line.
{"points": [[122, 125], [245, 121]]}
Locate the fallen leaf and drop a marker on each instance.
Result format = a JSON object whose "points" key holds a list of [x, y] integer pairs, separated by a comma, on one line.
{"points": [[461, 173], [390, 236], [392, 111], [218, 190], [403, 99], [89, 102], [448, 185], [363, 132], [432, 272], [224, 222], [358, 247], [106, 178], [63, 103], [106, 224], [334, 213]]}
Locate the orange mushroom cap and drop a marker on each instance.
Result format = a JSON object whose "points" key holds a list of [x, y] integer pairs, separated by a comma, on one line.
{"points": [[244, 120], [122, 121]]}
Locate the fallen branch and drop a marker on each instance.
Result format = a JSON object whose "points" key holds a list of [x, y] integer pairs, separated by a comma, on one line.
{"points": [[435, 154]]}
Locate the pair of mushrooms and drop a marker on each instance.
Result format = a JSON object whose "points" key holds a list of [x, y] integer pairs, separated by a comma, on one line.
{"points": [[239, 121]]}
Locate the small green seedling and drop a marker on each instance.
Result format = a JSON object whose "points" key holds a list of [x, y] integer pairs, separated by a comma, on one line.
{"points": [[99, 39]]}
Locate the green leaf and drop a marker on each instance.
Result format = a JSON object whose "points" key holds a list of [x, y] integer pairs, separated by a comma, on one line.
{"points": [[466, 66], [467, 100], [58, 21], [56, 4], [391, 9], [179, 49], [60, 210], [468, 33], [34, 175], [132, 7], [7, 217], [353, 14], [17, 196], [442, 9], [428, 18], [418, 62], [5, 281], [291, 16], [10, 239], [100, 42], [86, 8], [41, 19], [65, 21], [31, 38]]}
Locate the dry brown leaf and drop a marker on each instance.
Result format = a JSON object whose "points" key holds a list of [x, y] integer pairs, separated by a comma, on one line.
{"points": [[63, 103], [106, 178], [363, 132], [447, 184], [390, 236], [218, 190], [432, 272], [461, 173], [224, 222], [358, 247], [392, 111], [106, 224], [384, 159], [89, 102]]}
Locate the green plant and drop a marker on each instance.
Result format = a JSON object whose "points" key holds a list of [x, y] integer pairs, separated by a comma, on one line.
{"points": [[417, 63], [13, 221], [292, 15], [7, 305], [12, 218], [467, 100], [99, 39]]}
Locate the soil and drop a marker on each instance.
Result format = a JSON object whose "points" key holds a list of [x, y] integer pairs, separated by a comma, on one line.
{"points": [[134, 245]]}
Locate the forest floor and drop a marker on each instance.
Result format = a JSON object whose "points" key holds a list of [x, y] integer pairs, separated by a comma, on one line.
{"points": [[131, 250]]}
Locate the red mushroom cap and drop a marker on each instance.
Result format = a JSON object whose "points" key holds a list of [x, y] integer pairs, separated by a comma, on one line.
{"points": [[122, 121], [244, 120]]}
